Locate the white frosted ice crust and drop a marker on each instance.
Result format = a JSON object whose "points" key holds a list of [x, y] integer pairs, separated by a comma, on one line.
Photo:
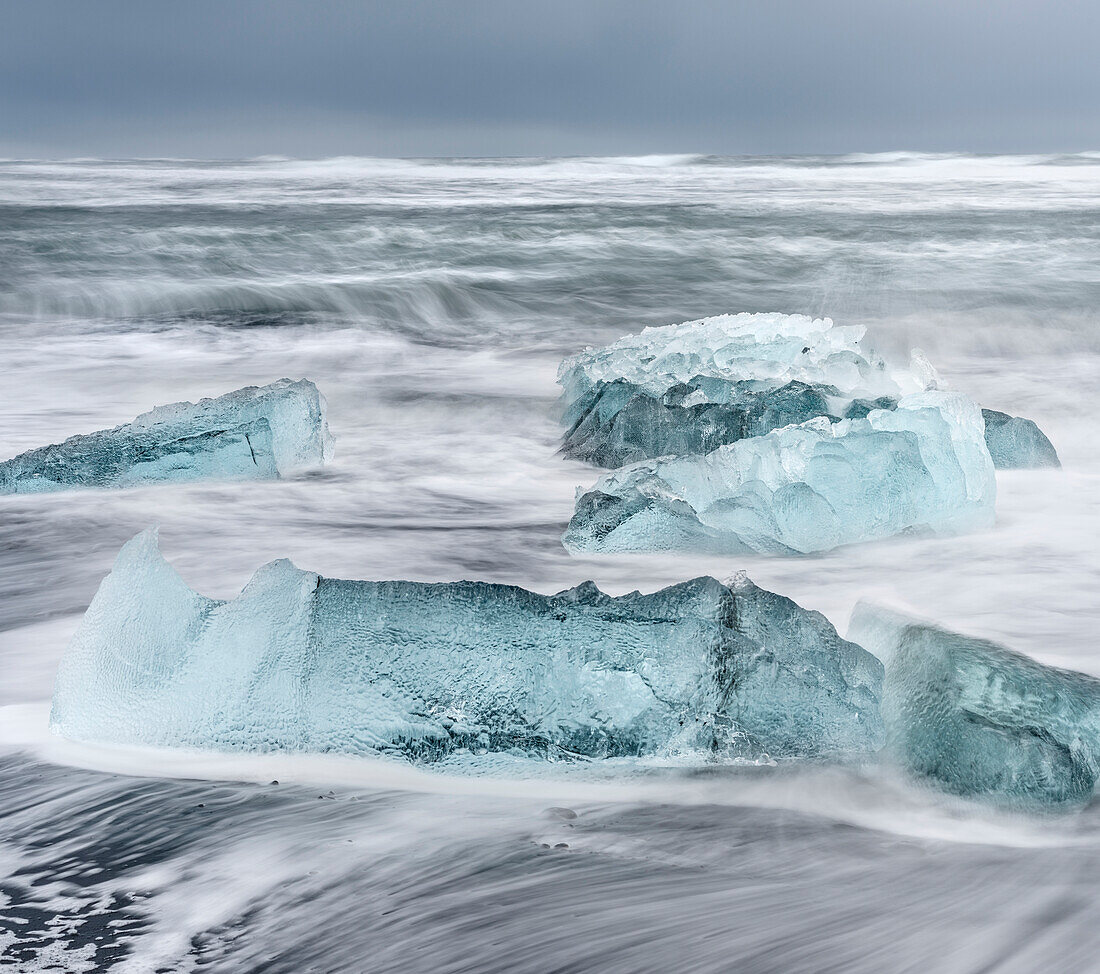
{"points": [[767, 349], [923, 466], [255, 433], [429, 671]]}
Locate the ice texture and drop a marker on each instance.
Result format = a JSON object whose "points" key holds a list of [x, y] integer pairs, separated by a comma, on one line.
{"points": [[980, 720], [772, 349], [1017, 443], [693, 387], [255, 433], [921, 467], [422, 671], [621, 423]]}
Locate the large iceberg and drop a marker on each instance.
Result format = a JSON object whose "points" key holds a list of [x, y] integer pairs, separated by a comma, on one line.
{"points": [[256, 433], [920, 467], [423, 671], [980, 720], [693, 387], [1016, 443]]}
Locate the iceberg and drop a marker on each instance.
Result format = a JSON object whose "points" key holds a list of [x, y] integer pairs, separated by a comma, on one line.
{"points": [[425, 671], [1016, 443], [920, 467], [980, 720], [696, 386], [256, 433]]}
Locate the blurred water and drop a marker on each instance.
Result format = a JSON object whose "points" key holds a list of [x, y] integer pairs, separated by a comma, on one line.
{"points": [[431, 302]]}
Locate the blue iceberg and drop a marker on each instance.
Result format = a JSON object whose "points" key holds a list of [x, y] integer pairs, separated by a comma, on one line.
{"points": [[980, 720], [256, 433], [693, 387], [1016, 443], [426, 671], [922, 467]]}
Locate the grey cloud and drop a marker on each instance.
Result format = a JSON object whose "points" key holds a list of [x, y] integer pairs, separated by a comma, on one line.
{"points": [[121, 77]]}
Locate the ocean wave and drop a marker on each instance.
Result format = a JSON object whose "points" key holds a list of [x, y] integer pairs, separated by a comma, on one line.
{"points": [[866, 796], [949, 179], [432, 301]]}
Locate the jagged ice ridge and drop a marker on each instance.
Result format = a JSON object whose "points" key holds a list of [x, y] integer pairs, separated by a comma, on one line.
{"points": [[425, 671]]}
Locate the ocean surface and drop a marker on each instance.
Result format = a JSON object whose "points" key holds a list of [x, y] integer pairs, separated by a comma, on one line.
{"points": [[431, 302]]}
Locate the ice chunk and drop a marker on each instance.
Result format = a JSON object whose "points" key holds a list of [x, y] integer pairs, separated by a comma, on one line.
{"points": [[421, 671], [621, 423], [255, 433], [921, 467], [693, 387], [771, 349], [1016, 443], [980, 720]]}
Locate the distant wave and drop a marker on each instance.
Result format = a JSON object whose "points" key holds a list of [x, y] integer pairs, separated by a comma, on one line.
{"points": [[657, 161]]}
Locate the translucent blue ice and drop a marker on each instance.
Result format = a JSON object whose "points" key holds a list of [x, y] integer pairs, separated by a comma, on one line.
{"points": [[621, 423], [921, 467], [693, 387], [424, 671], [1017, 443], [980, 720], [256, 433]]}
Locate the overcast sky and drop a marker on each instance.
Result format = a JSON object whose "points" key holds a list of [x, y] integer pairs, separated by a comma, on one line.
{"points": [[511, 77]]}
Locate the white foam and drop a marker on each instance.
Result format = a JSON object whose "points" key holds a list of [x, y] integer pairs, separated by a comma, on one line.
{"points": [[872, 798]]}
